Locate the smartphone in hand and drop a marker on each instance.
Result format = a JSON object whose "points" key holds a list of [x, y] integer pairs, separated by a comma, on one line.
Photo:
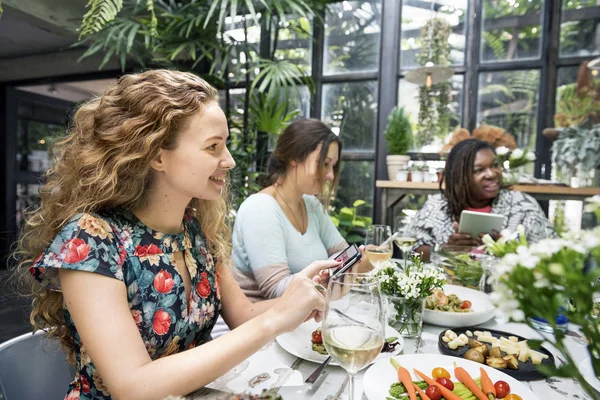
{"points": [[349, 256]]}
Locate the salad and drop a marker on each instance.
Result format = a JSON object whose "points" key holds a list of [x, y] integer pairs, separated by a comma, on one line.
{"points": [[317, 343], [440, 386], [439, 301]]}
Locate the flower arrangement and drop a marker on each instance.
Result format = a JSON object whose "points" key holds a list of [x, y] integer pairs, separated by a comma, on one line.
{"points": [[405, 289], [508, 242], [494, 135], [558, 272], [515, 158]]}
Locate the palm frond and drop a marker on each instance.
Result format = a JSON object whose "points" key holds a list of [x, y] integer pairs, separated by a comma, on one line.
{"points": [[270, 115], [100, 13], [278, 75]]}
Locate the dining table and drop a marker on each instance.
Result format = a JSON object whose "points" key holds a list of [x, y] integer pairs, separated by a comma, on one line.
{"points": [[273, 368]]}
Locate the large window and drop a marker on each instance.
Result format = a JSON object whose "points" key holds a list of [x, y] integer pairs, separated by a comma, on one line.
{"points": [[415, 30], [352, 37], [579, 29], [509, 99], [511, 30]]}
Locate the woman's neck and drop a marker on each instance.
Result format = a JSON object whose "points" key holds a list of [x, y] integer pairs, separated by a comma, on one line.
{"points": [[289, 192], [480, 203], [163, 212]]}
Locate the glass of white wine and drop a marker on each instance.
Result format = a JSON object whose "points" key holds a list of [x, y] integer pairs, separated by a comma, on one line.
{"points": [[354, 324], [402, 237], [378, 244]]}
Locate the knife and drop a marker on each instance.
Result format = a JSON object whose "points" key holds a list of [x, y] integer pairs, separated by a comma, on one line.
{"points": [[315, 375]]}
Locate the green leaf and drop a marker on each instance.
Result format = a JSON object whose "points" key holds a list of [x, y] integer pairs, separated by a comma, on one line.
{"points": [[358, 203], [100, 13]]}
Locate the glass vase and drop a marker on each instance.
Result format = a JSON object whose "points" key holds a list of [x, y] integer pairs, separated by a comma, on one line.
{"points": [[405, 315], [510, 176]]}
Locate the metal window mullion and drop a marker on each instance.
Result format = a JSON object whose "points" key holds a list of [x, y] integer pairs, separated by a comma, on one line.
{"points": [[387, 92]]}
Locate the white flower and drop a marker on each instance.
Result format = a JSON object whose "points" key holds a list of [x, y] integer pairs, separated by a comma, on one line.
{"points": [[517, 315], [556, 269], [516, 154], [502, 150], [530, 156]]}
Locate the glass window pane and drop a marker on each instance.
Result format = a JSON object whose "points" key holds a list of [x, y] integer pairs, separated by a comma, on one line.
{"points": [[431, 133], [239, 52], [576, 106], [509, 99], [34, 140], [357, 180], [579, 26], [352, 37], [512, 30], [294, 42], [415, 17], [350, 110]]}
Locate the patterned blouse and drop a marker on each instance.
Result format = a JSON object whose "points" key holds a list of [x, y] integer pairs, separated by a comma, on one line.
{"points": [[117, 244], [433, 224]]}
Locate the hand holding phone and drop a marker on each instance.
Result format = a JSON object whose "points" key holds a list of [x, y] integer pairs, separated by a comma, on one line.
{"points": [[349, 257]]}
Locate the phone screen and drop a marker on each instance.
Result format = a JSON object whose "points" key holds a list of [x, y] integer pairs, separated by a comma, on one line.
{"points": [[350, 256]]}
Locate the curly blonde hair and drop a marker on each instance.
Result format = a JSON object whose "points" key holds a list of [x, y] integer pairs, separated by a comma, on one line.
{"points": [[104, 163]]}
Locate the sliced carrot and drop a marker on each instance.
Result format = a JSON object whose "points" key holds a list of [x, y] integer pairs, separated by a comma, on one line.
{"points": [[406, 379], [466, 379], [448, 395], [421, 393], [487, 385]]}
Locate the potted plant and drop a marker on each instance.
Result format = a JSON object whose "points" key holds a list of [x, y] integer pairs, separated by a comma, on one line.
{"points": [[402, 174], [577, 152], [398, 136], [418, 173]]}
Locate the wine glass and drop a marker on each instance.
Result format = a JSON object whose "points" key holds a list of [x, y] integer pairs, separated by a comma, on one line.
{"points": [[354, 324], [403, 238], [378, 244]]}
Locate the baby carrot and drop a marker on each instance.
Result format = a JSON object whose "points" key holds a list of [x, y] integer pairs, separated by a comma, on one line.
{"points": [[421, 393], [405, 378], [487, 385], [465, 378], [448, 395]]}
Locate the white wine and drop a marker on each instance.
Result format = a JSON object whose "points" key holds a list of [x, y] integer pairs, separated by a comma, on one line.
{"points": [[405, 243], [378, 256], [354, 347]]}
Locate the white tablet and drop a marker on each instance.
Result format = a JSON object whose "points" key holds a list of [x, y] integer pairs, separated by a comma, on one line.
{"points": [[474, 223]]}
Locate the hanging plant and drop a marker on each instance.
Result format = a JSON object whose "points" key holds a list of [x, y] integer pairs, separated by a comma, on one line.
{"points": [[434, 101]]}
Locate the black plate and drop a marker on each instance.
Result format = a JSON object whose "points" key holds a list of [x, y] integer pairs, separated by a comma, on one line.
{"points": [[526, 372]]}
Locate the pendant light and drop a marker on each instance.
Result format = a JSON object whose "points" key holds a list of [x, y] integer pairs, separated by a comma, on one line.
{"points": [[430, 73]]}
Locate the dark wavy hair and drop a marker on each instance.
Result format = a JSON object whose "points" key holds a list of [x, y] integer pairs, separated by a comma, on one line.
{"points": [[297, 141], [458, 174]]}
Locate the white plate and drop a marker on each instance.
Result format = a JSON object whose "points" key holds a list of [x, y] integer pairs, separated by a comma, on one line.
{"points": [[587, 371], [299, 343], [483, 309], [382, 374]]}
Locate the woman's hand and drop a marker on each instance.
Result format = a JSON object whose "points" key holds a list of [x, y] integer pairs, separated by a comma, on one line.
{"points": [[462, 239], [302, 299]]}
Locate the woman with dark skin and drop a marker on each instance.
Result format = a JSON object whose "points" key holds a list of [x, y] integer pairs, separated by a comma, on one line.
{"points": [[472, 181]]}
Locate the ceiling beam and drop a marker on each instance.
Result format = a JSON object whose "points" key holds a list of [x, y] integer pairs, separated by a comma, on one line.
{"points": [[57, 16], [54, 64]]}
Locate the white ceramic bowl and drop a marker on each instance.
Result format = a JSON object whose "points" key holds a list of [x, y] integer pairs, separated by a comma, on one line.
{"points": [[483, 309]]}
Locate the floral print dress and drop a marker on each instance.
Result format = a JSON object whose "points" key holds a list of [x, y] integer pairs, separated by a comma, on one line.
{"points": [[117, 244]]}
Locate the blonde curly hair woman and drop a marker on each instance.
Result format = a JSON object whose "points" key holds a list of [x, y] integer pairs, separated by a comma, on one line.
{"points": [[132, 249]]}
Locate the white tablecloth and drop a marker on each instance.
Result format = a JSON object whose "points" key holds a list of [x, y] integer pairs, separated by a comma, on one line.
{"points": [[273, 367]]}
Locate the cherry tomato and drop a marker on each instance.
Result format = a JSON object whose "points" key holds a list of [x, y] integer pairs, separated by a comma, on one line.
{"points": [[433, 392], [466, 304], [513, 397], [317, 338], [440, 372], [502, 389], [445, 382]]}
